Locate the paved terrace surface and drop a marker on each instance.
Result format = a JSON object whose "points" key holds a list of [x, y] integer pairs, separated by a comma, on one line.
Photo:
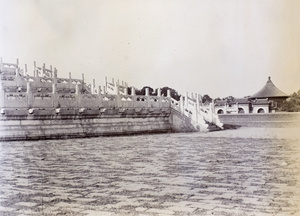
{"points": [[248, 171]]}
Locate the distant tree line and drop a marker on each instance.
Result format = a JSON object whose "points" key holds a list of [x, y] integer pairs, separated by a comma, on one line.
{"points": [[292, 104], [174, 93], [164, 91]]}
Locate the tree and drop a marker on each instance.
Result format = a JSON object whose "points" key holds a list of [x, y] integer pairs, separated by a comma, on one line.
{"points": [[229, 98], [174, 93], [292, 104], [206, 99]]}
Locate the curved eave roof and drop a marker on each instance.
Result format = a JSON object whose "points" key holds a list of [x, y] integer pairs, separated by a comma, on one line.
{"points": [[270, 91]]}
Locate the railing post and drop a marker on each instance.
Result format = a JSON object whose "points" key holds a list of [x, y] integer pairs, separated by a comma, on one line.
{"points": [[148, 97], [51, 71], [70, 80], [168, 93], [29, 95], [93, 87], [55, 74], [34, 69], [78, 95], [159, 96], [181, 104], [186, 100], [133, 96], [54, 93]]}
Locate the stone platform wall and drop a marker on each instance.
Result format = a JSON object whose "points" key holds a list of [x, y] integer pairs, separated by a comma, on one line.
{"points": [[110, 123]]}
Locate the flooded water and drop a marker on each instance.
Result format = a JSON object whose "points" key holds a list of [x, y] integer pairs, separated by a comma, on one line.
{"points": [[238, 172]]}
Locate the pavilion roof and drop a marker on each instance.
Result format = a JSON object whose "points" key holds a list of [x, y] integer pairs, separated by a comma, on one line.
{"points": [[269, 91]]}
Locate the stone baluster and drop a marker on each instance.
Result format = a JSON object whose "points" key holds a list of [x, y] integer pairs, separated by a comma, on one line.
{"points": [[70, 80], [133, 96], [147, 97], [197, 106], [181, 104], [78, 95], [51, 72], [132, 91], [168, 93], [159, 96], [44, 70], [55, 95], [158, 92], [93, 87], [29, 95], [35, 74], [186, 101]]}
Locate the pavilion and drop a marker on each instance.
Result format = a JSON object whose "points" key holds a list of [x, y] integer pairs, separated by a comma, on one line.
{"points": [[268, 99], [271, 93]]}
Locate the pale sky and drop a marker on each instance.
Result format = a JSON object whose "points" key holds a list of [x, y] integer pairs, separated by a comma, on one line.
{"points": [[213, 47]]}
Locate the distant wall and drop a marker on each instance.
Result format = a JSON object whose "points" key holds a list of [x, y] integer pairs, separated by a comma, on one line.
{"points": [[262, 120]]}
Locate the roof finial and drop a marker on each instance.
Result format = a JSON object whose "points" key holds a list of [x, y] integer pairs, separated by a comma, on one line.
{"points": [[269, 78]]}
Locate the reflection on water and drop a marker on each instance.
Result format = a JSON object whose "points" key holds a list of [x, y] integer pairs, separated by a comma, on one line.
{"points": [[166, 174]]}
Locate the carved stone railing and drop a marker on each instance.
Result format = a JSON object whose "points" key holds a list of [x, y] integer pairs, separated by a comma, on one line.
{"points": [[44, 90]]}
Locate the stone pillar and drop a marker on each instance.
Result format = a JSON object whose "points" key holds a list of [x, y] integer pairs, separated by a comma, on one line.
{"points": [[197, 106], [29, 95], [147, 92], [181, 104], [158, 92], [70, 80], [168, 93], [55, 73], [132, 91], [51, 72], [94, 87], [34, 70], [133, 96], [186, 102], [55, 96], [17, 73], [78, 95], [125, 90]]}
